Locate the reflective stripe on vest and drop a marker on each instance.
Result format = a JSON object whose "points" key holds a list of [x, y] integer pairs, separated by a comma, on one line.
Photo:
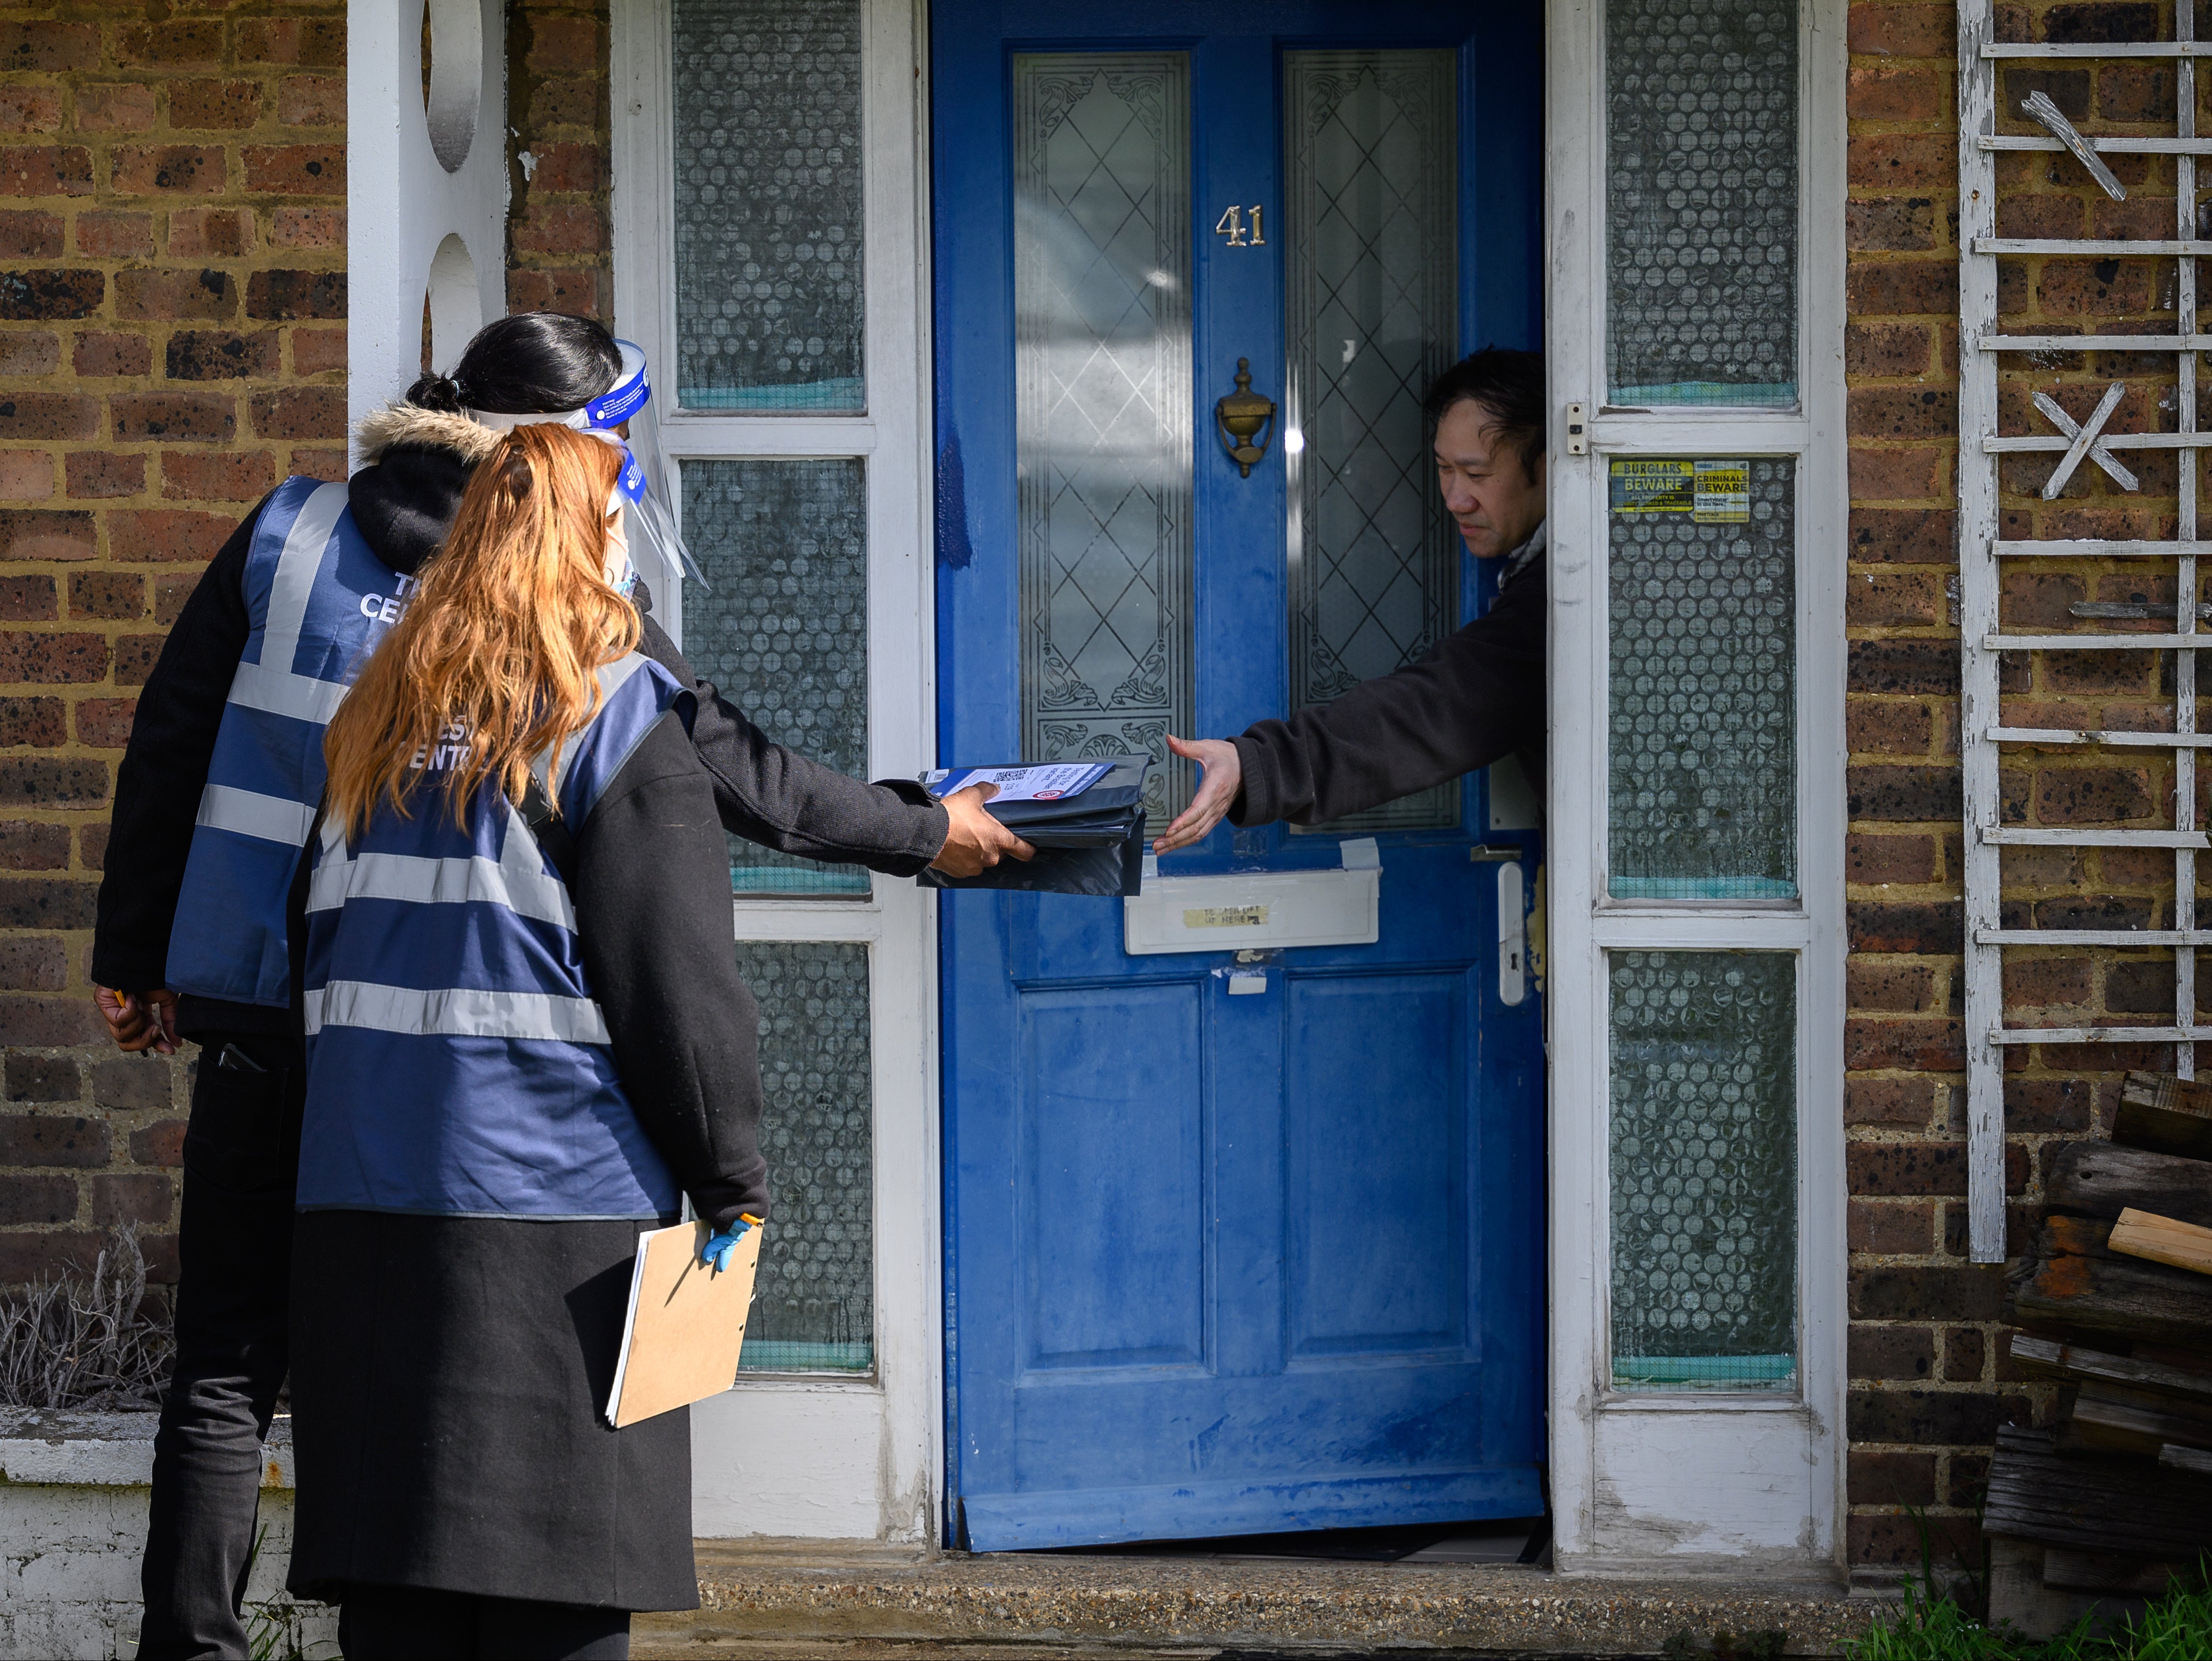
{"points": [[317, 599], [457, 1064]]}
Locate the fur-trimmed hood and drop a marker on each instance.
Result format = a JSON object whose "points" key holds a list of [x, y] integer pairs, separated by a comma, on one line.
{"points": [[402, 426], [416, 464]]}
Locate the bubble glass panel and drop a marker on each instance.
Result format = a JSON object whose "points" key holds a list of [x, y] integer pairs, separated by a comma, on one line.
{"points": [[784, 629], [768, 204], [1370, 242], [1702, 684], [1701, 201], [1103, 447], [814, 1303], [1704, 1160]]}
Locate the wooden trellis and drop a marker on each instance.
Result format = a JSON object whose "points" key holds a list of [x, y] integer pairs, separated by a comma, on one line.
{"points": [[1982, 737]]}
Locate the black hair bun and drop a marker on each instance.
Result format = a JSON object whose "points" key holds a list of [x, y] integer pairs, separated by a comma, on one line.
{"points": [[436, 392]]}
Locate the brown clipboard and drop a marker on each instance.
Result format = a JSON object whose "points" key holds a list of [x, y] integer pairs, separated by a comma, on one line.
{"points": [[686, 1325]]}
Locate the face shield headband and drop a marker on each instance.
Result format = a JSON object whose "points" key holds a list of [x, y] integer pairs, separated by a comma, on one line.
{"points": [[644, 484]]}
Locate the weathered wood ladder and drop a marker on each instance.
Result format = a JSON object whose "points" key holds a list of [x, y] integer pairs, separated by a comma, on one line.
{"points": [[1981, 448]]}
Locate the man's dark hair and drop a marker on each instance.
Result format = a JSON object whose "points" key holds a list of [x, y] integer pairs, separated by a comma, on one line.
{"points": [[1510, 387], [532, 364]]}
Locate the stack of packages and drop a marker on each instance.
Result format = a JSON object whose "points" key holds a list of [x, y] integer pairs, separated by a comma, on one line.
{"points": [[2115, 1304]]}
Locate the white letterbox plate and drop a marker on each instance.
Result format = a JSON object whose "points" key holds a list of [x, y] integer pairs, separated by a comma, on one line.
{"points": [[1253, 909]]}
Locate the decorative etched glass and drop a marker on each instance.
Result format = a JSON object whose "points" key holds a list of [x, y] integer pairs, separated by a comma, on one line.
{"points": [[1101, 307], [784, 629], [768, 204], [1701, 201], [1370, 239], [814, 1303], [1702, 688], [1705, 1170]]}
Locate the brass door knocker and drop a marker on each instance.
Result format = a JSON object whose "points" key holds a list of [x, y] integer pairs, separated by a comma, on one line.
{"points": [[1241, 415]]}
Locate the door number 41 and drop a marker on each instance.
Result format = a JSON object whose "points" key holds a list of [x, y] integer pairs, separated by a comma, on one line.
{"points": [[1231, 226]]}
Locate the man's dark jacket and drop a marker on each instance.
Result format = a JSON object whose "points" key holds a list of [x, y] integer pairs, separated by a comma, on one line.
{"points": [[405, 502], [1478, 696]]}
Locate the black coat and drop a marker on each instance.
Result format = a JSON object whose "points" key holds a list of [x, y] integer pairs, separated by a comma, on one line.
{"points": [[450, 1374], [405, 502], [1478, 696]]}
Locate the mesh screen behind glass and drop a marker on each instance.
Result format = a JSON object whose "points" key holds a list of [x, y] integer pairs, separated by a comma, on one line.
{"points": [[1371, 313], [784, 631], [1701, 201], [768, 204], [1702, 694], [1704, 1154], [814, 1303]]}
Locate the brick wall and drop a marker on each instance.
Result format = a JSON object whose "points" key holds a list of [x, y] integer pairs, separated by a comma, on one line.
{"points": [[172, 298], [1929, 1377]]}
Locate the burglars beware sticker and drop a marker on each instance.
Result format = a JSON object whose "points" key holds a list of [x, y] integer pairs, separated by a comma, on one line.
{"points": [[1711, 492]]}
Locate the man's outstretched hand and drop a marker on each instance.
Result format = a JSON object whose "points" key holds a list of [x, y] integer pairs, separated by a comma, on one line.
{"points": [[138, 1019], [976, 841], [1222, 778]]}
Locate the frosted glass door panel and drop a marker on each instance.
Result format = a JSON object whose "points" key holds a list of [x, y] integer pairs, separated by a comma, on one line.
{"points": [[768, 204], [1702, 682], [1705, 1170], [1701, 201], [783, 632], [814, 1303], [1101, 303], [1370, 238]]}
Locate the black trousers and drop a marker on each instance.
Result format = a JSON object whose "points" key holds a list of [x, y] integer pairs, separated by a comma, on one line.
{"points": [[235, 1250], [412, 1623]]}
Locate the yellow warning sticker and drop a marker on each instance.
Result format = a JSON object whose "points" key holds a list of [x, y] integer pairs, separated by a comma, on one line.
{"points": [[1711, 492]]}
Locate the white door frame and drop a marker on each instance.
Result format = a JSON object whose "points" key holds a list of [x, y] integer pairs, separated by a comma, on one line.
{"points": [[1699, 1480], [820, 1456]]}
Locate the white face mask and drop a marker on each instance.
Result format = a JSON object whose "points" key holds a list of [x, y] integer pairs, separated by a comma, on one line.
{"points": [[621, 574]]}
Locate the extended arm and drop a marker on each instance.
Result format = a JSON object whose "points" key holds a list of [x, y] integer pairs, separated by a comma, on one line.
{"points": [[653, 918], [164, 771]]}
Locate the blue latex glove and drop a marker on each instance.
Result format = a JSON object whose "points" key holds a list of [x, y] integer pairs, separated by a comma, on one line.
{"points": [[721, 1248]]}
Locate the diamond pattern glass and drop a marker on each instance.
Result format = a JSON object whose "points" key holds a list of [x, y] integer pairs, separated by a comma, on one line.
{"points": [[1703, 1168], [1372, 289], [1101, 305], [768, 204], [814, 1303], [784, 629], [1702, 692], [1701, 206]]}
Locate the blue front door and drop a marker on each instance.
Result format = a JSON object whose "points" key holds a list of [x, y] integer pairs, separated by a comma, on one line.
{"points": [[1227, 1254]]}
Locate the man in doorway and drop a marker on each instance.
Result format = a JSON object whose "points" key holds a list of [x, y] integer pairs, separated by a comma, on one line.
{"points": [[1478, 696]]}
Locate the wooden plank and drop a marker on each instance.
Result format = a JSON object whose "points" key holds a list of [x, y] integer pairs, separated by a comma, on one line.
{"points": [[2166, 1114], [2159, 1240], [2195, 1461], [2105, 1419], [2098, 49], [2035, 837], [2089, 1571], [2103, 1180], [2048, 1358], [2074, 1284], [2107, 1506]]}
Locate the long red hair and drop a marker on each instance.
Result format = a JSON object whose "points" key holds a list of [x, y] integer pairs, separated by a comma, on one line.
{"points": [[499, 649]]}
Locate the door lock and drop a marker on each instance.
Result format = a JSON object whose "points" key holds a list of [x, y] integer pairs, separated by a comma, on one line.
{"points": [[1241, 415]]}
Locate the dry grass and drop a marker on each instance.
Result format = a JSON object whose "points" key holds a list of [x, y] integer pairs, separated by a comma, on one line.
{"points": [[86, 1340]]}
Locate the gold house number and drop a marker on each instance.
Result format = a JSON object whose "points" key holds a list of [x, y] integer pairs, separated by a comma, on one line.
{"points": [[1231, 226]]}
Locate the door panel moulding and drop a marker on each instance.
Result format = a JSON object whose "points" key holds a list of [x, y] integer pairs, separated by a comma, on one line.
{"points": [[1982, 731]]}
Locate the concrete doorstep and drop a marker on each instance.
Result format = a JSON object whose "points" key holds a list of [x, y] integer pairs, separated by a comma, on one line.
{"points": [[795, 1601]]}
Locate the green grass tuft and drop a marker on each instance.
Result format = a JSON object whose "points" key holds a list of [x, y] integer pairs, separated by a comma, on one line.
{"points": [[2178, 1627]]}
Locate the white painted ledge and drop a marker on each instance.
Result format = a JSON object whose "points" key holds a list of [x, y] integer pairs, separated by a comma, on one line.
{"points": [[62, 1449]]}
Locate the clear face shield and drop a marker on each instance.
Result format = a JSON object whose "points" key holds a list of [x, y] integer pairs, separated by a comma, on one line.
{"points": [[653, 544]]}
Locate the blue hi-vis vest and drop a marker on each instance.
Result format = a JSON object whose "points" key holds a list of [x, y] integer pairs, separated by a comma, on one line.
{"points": [[457, 1064], [318, 600]]}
